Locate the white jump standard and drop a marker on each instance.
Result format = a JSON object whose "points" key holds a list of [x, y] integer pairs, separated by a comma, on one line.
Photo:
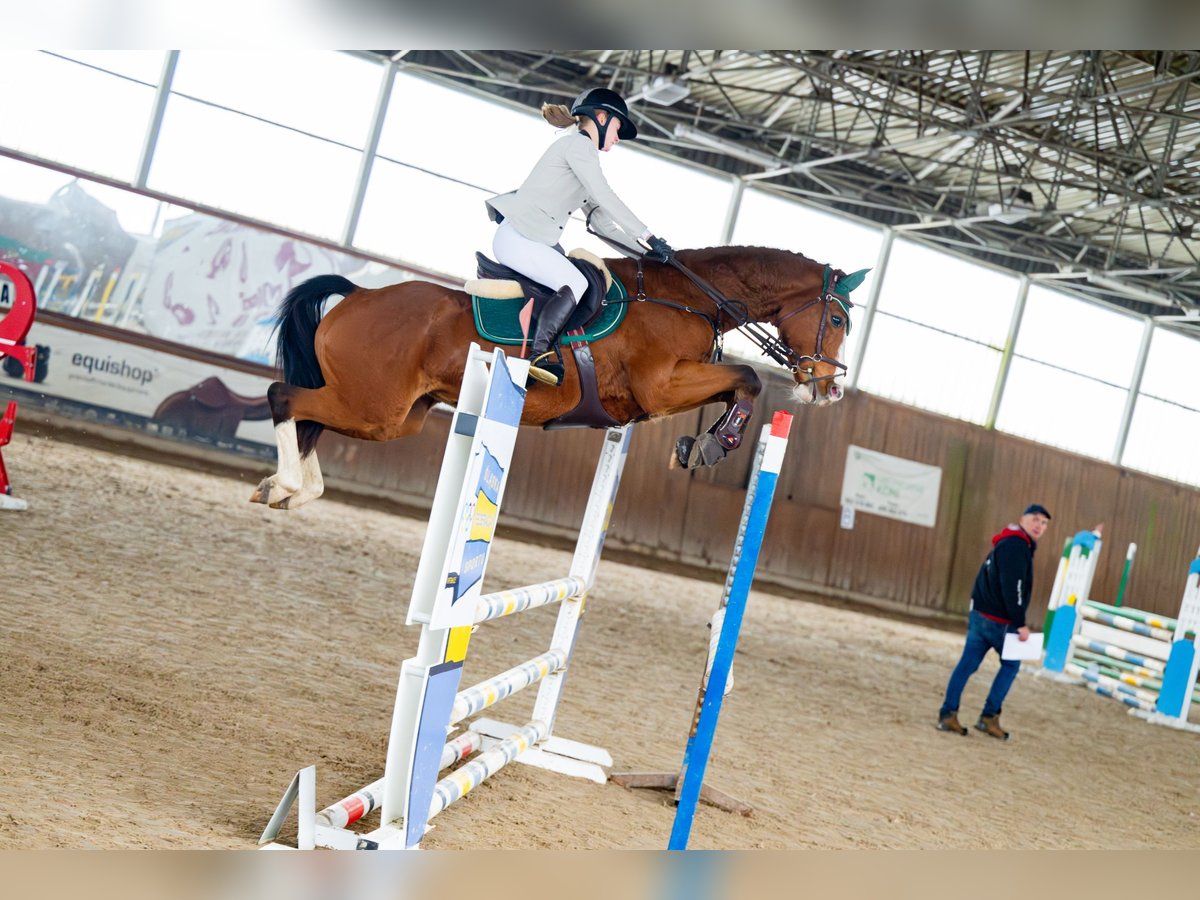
{"points": [[447, 603]]}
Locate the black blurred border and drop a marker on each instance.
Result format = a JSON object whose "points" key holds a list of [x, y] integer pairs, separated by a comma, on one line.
{"points": [[595, 24]]}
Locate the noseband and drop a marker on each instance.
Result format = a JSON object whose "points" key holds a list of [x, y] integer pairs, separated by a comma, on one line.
{"points": [[797, 361]]}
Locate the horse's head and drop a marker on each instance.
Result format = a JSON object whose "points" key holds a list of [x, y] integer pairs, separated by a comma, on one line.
{"points": [[813, 321], [807, 302]]}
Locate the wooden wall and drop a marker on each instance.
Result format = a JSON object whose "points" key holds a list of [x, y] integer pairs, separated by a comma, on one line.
{"points": [[987, 480]]}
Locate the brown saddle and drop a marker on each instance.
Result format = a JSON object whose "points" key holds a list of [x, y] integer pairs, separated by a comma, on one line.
{"points": [[210, 409]]}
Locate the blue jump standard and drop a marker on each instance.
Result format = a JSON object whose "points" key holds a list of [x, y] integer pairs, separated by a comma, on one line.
{"points": [[699, 746]]}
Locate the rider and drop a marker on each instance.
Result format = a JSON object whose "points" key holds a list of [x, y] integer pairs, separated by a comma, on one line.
{"points": [[566, 178]]}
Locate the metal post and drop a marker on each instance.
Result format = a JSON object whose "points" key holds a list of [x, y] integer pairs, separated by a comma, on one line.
{"points": [[382, 99], [1010, 345], [864, 325], [731, 211], [161, 97], [1135, 386]]}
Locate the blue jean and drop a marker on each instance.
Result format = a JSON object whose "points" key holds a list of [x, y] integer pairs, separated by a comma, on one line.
{"points": [[982, 635]]}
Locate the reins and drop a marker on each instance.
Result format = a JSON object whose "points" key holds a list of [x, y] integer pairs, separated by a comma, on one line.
{"points": [[737, 312]]}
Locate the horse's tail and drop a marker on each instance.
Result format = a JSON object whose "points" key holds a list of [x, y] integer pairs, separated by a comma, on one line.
{"points": [[295, 348]]}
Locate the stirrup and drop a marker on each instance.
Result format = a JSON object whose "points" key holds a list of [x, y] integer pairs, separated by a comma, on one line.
{"points": [[547, 370]]}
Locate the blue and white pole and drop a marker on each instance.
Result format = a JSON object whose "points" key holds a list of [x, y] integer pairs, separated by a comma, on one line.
{"points": [[742, 566]]}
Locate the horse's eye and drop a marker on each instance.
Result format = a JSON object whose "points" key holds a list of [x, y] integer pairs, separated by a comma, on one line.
{"points": [[836, 320]]}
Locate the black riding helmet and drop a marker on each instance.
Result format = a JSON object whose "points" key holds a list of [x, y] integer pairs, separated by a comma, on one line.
{"points": [[593, 99]]}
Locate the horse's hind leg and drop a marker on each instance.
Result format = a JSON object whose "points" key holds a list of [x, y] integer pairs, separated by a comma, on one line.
{"points": [[313, 484], [289, 479], [300, 415]]}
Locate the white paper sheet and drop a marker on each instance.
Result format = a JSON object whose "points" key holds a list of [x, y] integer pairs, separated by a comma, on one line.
{"points": [[1015, 648]]}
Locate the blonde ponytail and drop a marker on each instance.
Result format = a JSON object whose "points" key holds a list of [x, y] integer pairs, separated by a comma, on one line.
{"points": [[558, 115]]}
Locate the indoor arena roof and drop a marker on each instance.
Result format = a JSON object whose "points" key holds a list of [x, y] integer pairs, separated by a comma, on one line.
{"points": [[1080, 167]]}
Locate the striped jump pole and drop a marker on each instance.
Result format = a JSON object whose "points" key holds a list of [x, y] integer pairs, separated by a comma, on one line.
{"points": [[448, 603], [1119, 653], [1133, 702], [362, 802], [1090, 656], [1127, 673], [1145, 618], [755, 515], [1124, 624], [1114, 684]]}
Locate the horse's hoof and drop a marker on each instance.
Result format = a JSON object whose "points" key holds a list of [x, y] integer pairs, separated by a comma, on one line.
{"points": [[683, 452], [272, 493], [706, 450]]}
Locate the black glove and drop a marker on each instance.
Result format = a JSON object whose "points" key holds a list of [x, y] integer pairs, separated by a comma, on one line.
{"points": [[659, 250]]}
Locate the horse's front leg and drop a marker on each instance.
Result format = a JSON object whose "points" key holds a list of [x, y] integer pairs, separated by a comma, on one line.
{"points": [[696, 384]]}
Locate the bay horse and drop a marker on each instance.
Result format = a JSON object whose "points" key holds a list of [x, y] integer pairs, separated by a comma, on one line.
{"points": [[374, 364]]}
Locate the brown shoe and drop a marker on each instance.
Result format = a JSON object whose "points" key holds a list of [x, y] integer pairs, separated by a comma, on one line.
{"points": [[990, 725], [950, 723]]}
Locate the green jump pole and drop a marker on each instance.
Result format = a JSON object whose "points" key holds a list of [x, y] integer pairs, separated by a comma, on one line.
{"points": [[1125, 574]]}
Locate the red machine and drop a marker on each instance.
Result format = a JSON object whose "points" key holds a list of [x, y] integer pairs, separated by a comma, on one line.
{"points": [[13, 329]]}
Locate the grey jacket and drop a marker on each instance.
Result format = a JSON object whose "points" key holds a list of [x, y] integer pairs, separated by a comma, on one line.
{"points": [[566, 178]]}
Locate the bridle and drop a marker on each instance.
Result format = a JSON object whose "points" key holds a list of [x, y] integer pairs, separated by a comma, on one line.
{"points": [[775, 347], [772, 346]]}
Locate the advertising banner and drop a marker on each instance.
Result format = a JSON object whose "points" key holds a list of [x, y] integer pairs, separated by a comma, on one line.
{"points": [[84, 375], [890, 486]]}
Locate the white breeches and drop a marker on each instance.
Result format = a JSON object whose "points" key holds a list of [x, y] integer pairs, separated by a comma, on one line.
{"points": [[542, 263]]}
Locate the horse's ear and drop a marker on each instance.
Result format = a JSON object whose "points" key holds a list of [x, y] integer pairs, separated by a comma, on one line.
{"points": [[847, 283]]}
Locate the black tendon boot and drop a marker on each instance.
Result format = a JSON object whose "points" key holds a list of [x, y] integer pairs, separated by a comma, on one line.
{"points": [[545, 362]]}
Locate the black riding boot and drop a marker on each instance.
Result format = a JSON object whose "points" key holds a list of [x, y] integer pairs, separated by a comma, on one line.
{"points": [[545, 364]]}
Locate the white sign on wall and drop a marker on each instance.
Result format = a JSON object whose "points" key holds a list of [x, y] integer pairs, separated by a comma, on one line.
{"points": [[128, 378], [891, 486]]}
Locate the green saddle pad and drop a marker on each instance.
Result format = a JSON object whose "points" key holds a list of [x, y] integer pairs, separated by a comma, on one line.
{"points": [[496, 320]]}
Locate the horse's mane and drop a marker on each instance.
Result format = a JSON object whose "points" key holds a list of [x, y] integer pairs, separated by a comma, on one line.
{"points": [[768, 252], [771, 266]]}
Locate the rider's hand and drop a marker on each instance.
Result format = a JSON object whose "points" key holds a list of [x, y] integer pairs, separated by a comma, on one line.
{"points": [[659, 250]]}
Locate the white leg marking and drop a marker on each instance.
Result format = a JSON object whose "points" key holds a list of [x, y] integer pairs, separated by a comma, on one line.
{"points": [[314, 484], [290, 477]]}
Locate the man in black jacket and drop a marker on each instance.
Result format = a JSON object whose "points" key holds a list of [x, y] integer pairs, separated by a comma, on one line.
{"points": [[999, 601]]}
